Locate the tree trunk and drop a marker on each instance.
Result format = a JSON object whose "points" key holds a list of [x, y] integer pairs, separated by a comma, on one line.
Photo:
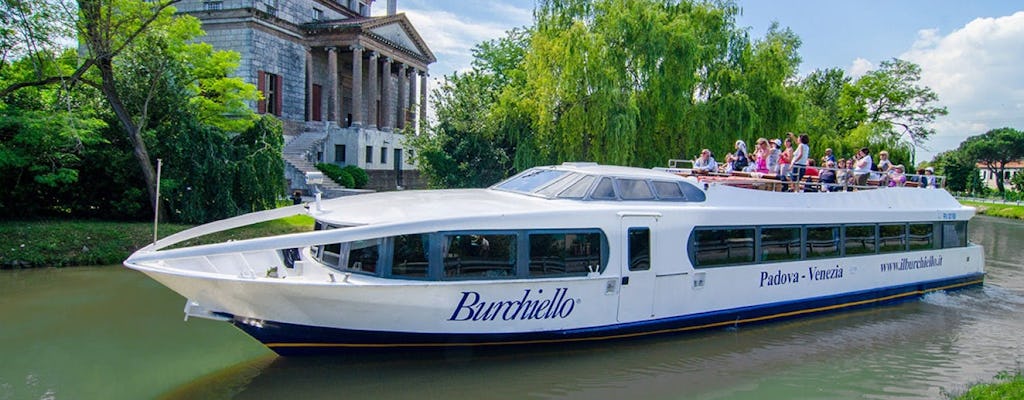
{"points": [[130, 128]]}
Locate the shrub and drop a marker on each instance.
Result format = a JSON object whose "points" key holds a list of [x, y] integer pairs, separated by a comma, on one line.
{"points": [[337, 174], [360, 175]]}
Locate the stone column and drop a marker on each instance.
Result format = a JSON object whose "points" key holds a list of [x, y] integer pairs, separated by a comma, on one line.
{"points": [[332, 84], [423, 100], [309, 84], [402, 97], [410, 99], [371, 115], [385, 97], [357, 85]]}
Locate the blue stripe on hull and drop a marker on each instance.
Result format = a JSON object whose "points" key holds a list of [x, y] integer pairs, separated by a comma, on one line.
{"points": [[291, 339]]}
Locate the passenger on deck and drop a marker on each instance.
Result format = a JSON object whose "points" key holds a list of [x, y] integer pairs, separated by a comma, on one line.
{"points": [[761, 156], [862, 168], [739, 159], [810, 175], [705, 163], [827, 177], [800, 157], [897, 178], [929, 180], [828, 157], [775, 156]]}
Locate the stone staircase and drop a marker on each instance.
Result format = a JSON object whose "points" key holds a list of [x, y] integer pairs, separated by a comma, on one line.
{"points": [[300, 153]]}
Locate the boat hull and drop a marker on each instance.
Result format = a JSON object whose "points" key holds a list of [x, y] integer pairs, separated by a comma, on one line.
{"points": [[295, 339]]}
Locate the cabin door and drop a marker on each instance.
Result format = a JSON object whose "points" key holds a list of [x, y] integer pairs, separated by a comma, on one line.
{"points": [[636, 263]]}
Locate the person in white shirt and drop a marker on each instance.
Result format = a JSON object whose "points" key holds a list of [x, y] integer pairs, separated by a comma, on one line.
{"points": [[862, 168], [705, 163], [800, 156]]}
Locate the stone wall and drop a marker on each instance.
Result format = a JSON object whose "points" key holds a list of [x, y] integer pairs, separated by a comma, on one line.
{"points": [[384, 180]]}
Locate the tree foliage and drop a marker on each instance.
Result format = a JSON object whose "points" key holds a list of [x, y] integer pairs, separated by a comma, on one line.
{"points": [[891, 97], [995, 149]]}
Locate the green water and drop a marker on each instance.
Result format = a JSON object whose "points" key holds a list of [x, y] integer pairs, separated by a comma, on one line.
{"points": [[112, 333]]}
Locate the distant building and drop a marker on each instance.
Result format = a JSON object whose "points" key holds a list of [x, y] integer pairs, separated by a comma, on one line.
{"points": [[1012, 168], [345, 84]]}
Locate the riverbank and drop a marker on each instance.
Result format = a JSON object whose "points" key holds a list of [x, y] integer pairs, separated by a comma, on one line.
{"points": [[997, 209], [28, 244], [1006, 385]]}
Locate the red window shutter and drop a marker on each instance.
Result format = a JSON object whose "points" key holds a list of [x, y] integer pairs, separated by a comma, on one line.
{"points": [[261, 84], [277, 95]]}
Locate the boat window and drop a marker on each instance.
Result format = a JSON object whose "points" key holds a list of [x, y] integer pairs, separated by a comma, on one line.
{"points": [[639, 249], [954, 234], [860, 239], [822, 241], [724, 246], [558, 185], [780, 244], [668, 190], [558, 254], [363, 255], [410, 258], [634, 189], [579, 189], [479, 256], [692, 193], [330, 254], [922, 236], [530, 180], [604, 190], [892, 238]]}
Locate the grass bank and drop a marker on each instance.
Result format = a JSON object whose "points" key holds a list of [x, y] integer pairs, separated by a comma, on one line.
{"points": [[1006, 385], [997, 210], [25, 244]]}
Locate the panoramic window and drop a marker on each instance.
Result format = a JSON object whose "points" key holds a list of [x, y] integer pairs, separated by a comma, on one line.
{"points": [[822, 241], [860, 239], [530, 180], [668, 190], [639, 249], [922, 236], [579, 189], [479, 256], [892, 238], [557, 185], [554, 254], [780, 244], [635, 189], [713, 247], [410, 258], [604, 190]]}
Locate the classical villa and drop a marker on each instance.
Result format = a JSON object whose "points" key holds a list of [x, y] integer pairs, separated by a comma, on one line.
{"points": [[348, 86]]}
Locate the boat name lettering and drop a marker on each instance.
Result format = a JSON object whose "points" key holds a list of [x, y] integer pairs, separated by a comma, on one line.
{"points": [[821, 274], [907, 264], [780, 277], [473, 308]]}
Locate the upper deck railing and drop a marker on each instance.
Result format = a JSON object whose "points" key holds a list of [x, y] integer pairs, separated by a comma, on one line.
{"points": [[846, 179]]}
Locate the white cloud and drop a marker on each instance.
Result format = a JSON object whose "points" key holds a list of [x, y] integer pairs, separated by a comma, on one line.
{"points": [[976, 71], [859, 67]]}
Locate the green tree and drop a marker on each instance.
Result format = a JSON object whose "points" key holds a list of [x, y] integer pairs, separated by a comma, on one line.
{"points": [[892, 99], [995, 148], [958, 168]]}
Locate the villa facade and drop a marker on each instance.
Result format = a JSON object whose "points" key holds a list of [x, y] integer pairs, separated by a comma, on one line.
{"points": [[347, 86]]}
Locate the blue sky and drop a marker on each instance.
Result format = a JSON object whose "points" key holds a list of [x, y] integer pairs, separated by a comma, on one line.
{"points": [[971, 52]]}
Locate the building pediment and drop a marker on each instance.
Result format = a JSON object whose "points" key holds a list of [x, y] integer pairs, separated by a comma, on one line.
{"points": [[399, 32]]}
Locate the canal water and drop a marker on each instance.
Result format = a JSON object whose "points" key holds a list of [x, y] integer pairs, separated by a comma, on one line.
{"points": [[111, 333]]}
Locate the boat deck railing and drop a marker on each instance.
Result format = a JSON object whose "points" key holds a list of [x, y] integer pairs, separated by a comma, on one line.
{"points": [[846, 179]]}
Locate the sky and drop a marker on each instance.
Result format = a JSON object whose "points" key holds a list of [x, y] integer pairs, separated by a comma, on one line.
{"points": [[971, 52]]}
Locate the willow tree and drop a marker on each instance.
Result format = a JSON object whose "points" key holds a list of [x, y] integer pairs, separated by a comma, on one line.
{"points": [[638, 82]]}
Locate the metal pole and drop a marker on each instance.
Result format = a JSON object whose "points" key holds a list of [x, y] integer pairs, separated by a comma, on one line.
{"points": [[156, 205]]}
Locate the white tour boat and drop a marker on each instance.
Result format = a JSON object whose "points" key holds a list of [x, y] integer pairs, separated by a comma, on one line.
{"points": [[568, 253]]}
